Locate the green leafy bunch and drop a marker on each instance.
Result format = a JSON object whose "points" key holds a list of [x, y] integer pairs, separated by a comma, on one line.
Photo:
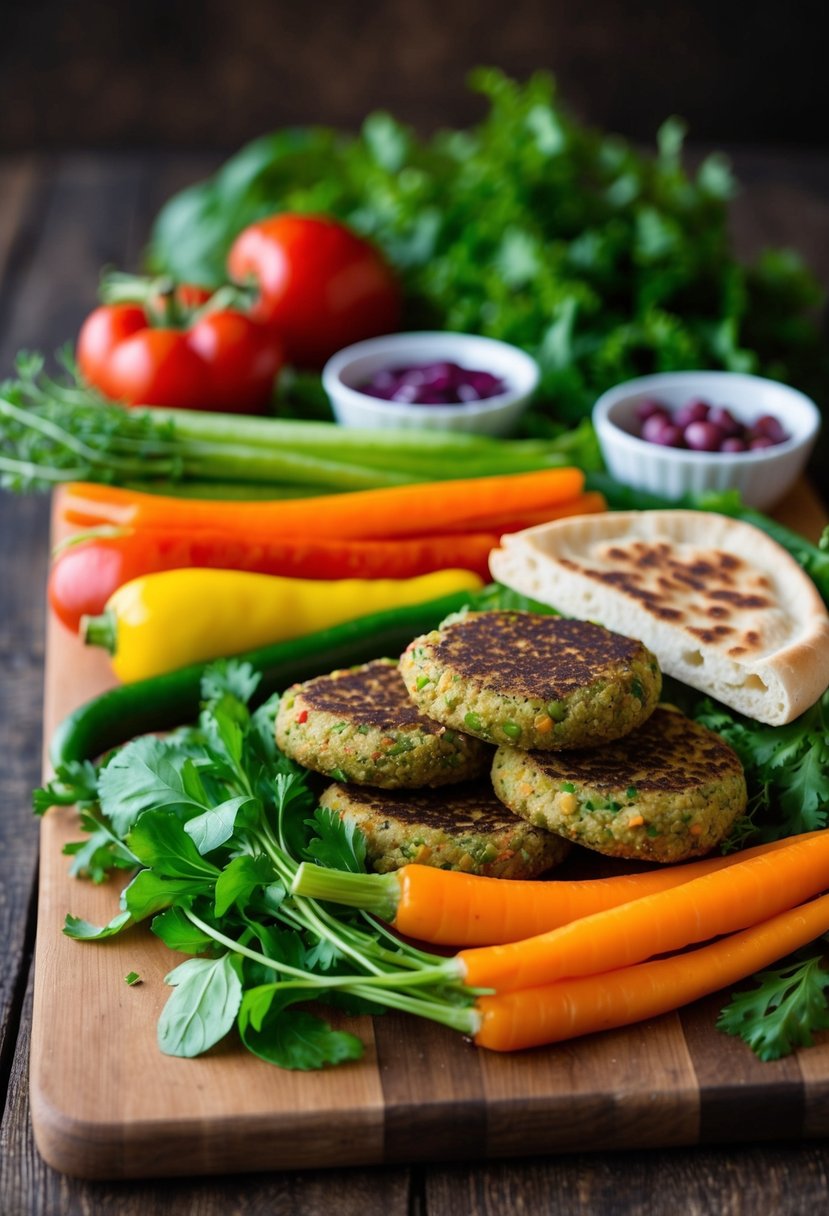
{"points": [[603, 261], [212, 822]]}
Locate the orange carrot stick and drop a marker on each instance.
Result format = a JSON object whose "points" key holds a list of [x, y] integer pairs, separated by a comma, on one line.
{"points": [[533, 1016], [590, 502], [744, 894], [409, 510], [450, 908]]}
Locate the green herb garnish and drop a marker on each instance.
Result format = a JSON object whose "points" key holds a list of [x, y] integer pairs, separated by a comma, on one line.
{"points": [[215, 822], [784, 1011]]}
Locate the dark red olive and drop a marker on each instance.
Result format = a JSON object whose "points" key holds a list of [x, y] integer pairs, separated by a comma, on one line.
{"points": [[725, 420], [650, 406], [703, 436], [770, 427], [670, 436], [653, 427], [695, 410]]}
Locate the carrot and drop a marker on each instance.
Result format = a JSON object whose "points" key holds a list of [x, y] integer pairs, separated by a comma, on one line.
{"points": [[410, 510], [450, 908], [744, 894], [534, 1016], [590, 502]]}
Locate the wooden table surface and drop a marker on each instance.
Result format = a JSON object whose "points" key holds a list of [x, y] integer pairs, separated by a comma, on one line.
{"points": [[61, 219]]}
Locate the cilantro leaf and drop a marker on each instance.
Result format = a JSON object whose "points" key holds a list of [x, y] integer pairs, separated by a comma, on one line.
{"points": [[216, 825], [83, 931], [141, 775], [230, 677], [159, 840], [291, 1038], [149, 893], [178, 932], [338, 844], [784, 1011], [240, 877], [74, 784], [102, 852], [203, 1007]]}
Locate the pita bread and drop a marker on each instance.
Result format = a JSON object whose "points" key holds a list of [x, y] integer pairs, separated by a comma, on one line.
{"points": [[722, 606]]}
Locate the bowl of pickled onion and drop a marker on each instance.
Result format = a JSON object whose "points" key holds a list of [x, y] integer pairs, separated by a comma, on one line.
{"points": [[431, 381]]}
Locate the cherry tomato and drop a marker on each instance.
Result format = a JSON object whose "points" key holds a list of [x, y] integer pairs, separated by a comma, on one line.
{"points": [[321, 286], [225, 360], [241, 356], [159, 367], [101, 332], [176, 306]]}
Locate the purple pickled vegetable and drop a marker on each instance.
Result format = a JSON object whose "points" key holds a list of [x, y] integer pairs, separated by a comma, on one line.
{"points": [[649, 407], [726, 421], [440, 383], [703, 436], [768, 426], [700, 427], [695, 410]]}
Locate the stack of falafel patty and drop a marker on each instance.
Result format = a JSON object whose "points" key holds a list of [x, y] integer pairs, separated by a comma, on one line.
{"points": [[561, 713]]}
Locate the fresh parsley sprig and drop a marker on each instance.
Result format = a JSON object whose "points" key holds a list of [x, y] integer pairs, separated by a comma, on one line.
{"points": [[214, 821], [784, 1011]]}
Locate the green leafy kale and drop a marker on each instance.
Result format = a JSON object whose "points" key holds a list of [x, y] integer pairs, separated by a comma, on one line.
{"points": [[603, 261]]}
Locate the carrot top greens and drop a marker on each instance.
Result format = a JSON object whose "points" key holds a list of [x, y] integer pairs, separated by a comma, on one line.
{"points": [[213, 821]]}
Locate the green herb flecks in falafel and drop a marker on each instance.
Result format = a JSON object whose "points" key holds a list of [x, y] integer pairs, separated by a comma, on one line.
{"points": [[669, 791], [464, 828], [531, 680], [360, 725]]}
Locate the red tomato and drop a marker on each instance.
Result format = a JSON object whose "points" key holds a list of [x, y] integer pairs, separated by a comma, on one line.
{"points": [[159, 367], [321, 286], [225, 361], [184, 299], [101, 332], [241, 356]]}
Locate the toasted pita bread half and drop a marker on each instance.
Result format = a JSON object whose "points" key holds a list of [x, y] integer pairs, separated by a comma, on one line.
{"points": [[723, 607]]}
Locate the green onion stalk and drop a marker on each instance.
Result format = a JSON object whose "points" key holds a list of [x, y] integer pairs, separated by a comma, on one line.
{"points": [[58, 430]]}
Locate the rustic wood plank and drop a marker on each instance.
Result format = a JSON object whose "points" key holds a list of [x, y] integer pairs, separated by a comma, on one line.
{"points": [[729, 1072], [28, 1185], [632, 1087], [432, 1091], [19, 182], [23, 529], [784, 1180]]}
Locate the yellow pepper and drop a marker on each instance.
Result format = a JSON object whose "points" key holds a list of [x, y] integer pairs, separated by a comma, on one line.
{"points": [[163, 621]]}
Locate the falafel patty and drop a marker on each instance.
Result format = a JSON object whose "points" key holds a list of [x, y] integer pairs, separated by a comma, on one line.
{"points": [[360, 725], [532, 681], [669, 791], [465, 828]]}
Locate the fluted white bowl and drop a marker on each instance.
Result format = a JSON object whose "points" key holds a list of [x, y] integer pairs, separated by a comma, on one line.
{"points": [[762, 476], [354, 366]]}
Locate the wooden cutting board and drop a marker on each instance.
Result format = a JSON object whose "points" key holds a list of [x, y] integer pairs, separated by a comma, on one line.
{"points": [[107, 1104]]}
